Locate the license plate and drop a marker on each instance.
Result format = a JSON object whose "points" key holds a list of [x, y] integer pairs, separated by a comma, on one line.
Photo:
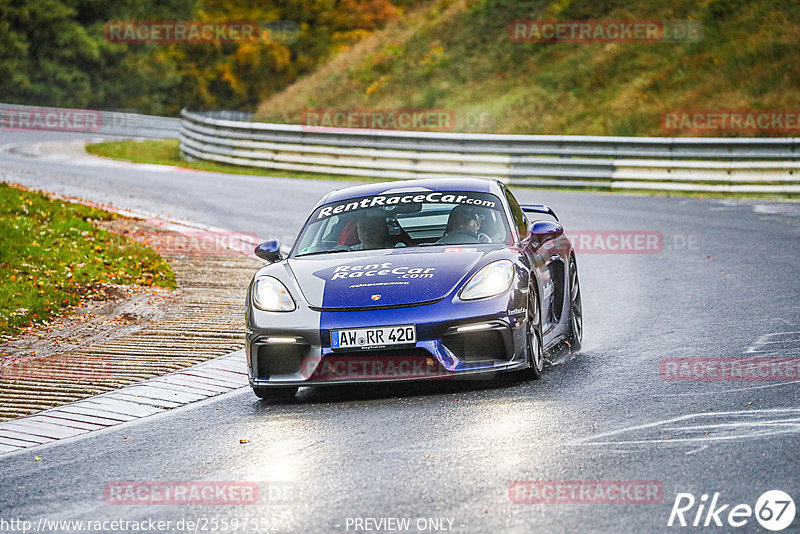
{"points": [[376, 337]]}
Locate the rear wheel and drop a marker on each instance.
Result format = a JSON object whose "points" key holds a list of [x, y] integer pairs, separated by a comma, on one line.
{"points": [[575, 337], [533, 329], [275, 393]]}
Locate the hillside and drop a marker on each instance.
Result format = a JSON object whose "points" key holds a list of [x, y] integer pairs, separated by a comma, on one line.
{"points": [[458, 55]]}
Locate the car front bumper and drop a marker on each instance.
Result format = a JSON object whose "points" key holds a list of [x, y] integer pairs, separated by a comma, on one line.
{"points": [[455, 340]]}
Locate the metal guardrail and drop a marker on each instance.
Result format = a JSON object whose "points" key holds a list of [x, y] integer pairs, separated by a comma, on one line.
{"points": [[102, 122], [763, 165]]}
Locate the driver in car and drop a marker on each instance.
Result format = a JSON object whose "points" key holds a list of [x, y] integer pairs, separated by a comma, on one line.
{"points": [[463, 226], [372, 233]]}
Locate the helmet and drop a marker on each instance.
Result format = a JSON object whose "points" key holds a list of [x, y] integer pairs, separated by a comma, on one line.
{"points": [[462, 214]]}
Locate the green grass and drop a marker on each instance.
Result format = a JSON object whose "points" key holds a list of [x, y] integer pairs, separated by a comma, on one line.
{"points": [[52, 256], [457, 55], [166, 152]]}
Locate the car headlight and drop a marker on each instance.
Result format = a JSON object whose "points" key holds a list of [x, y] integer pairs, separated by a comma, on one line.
{"points": [[494, 279], [269, 294]]}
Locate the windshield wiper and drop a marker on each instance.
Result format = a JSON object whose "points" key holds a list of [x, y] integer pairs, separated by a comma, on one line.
{"points": [[332, 251]]}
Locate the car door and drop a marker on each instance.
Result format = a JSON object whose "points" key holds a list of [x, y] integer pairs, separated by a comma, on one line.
{"points": [[540, 258]]}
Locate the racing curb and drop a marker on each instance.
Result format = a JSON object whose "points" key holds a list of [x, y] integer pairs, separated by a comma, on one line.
{"points": [[156, 395], [202, 325]]}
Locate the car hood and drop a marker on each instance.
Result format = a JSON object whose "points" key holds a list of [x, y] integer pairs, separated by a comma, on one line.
{"points": [[382, 278]]}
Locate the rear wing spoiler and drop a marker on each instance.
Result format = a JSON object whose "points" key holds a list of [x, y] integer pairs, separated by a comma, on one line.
{"points": [[539, 208]]}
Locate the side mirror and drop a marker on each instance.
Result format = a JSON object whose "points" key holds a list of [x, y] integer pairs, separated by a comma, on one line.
{"points": [[544, 231], [269, 250]]}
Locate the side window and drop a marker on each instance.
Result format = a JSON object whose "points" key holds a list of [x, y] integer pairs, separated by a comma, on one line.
{"points": [[520, 222]]}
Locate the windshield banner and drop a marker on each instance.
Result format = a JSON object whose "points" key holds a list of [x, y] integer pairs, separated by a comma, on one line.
{"points": [[390, 202]]}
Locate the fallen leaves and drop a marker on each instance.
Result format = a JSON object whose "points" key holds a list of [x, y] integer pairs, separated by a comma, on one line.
{"points": [[56, 253]]}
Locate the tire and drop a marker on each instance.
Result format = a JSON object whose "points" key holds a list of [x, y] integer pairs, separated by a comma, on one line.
{"points": [[275, 393], [533, 335], [575, 338]]}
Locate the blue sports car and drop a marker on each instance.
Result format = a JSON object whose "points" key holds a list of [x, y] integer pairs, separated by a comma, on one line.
{"points": [[414, 280]]}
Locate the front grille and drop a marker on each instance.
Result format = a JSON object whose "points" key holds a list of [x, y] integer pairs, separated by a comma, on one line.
{"points": [[477, 346]]}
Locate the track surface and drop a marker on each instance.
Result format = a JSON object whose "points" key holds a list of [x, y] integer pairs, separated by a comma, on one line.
{"points": [[728, 276]]}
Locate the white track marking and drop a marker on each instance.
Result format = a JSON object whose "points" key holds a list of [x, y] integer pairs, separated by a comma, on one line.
{"points": [[786, 420], [695, 394], [766, 339]]}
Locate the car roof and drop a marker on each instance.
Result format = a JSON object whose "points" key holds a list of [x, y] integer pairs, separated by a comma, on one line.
{"points": [[478, 185]]}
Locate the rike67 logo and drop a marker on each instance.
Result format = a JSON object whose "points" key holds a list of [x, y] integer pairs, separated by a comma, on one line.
{"points": [[774, 510]]}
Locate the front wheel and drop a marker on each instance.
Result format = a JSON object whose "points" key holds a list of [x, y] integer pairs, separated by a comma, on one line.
{"points": [[283, 393], [533, 328], [575, 337]]}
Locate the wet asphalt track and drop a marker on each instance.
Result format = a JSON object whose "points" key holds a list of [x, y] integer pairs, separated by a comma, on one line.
{"points": [[727, 276]]}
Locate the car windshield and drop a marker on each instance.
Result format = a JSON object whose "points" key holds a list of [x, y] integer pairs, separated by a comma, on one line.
{"points": [[392, 220]]}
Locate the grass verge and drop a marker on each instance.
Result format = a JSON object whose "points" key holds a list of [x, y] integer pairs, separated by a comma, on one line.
{"points": [[167, 152], [52, 257]]}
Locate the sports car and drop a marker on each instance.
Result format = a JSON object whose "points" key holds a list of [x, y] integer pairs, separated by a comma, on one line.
{"points": [[414, 280]]}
